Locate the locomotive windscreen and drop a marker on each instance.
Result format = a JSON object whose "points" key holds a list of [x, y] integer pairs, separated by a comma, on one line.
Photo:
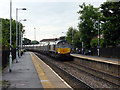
{"points": [[63, 44]]}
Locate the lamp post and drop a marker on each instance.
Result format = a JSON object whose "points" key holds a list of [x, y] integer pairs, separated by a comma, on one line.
{"points": [[82, 46], [20, 37], [98, 41], [10, 57], [17, 32], [98, 47], [24, 40]]}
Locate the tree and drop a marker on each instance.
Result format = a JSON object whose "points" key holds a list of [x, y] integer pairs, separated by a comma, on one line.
{"points": [[71, 31], [6, 33], [76, 40], [76, 37], [34, 42], [87, 26], [26, 41], [111, 25]]}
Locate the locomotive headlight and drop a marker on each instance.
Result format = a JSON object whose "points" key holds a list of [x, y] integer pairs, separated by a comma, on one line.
{"points": [[58, 52]]}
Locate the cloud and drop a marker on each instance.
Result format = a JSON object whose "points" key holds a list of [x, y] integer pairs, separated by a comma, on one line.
{"points": [[50, 18], [55, 0]]}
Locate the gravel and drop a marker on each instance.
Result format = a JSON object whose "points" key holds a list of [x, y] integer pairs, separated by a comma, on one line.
{"points": [[78, 73]]}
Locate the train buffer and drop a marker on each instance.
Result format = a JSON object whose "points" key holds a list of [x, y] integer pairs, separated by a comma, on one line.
{"points": [[32, 72]]}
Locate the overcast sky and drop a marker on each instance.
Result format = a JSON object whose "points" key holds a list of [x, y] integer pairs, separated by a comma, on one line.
{"points": [[49, 17]]}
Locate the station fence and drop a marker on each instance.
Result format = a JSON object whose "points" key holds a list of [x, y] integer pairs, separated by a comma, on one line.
{"points": [[5, 57], [112, 52]]}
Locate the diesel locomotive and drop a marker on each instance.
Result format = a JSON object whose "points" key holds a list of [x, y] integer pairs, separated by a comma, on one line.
{"points": [[57, 49], [60, 49]]}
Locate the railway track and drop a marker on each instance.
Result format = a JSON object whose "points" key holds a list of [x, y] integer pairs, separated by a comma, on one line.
{"points": [[69, 78], [76, 75], [93, 72]]}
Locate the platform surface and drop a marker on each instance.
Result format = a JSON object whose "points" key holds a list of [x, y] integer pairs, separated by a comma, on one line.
{"points": [[99, 59], [48, 77], [23, 75], [32, 72]]}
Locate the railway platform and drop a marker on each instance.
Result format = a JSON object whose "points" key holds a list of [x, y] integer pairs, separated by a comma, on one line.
{"points": [[32, 72], [98, 59], [106, 68]]}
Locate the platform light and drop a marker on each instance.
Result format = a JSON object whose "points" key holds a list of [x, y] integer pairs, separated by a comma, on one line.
{"points": [[17, 31], [20, 36]]}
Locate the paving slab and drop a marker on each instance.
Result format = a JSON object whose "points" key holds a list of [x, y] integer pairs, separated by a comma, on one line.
{"points": [[23, 75], [49, 78]]}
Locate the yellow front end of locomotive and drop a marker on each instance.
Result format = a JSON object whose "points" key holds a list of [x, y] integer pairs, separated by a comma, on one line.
{"points": [[63, 50]]}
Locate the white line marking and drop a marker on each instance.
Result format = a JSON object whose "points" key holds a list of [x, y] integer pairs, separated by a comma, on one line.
{"points": [[54, 72], [44, 80]]}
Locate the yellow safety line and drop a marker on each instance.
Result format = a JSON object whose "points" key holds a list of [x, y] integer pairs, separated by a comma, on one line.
{"points": [[44, 80]]}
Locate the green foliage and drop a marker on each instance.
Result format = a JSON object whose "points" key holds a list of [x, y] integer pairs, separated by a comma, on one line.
{"points": [[26, 41], [76, 37], [111, 23], [107, 20], [69, 34], [34, 42], [102, 43], [76, 40], [94, 42], [87, 26], [6, 33], [62, 38]]}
